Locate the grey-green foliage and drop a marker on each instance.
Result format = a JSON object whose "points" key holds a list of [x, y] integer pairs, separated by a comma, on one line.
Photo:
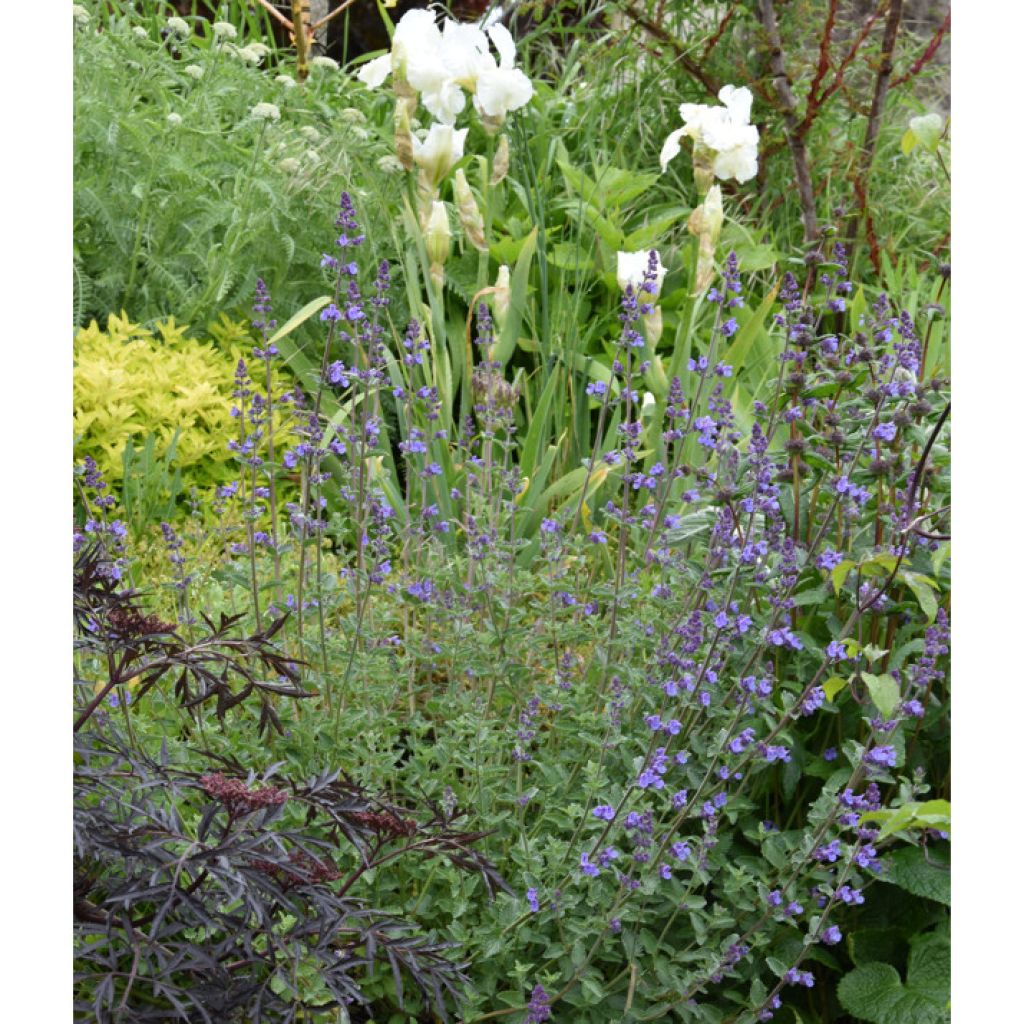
{"points": [[180, 216]]}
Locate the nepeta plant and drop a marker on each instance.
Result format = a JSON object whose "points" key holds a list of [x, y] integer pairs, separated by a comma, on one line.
{"points": [[726, 598]]}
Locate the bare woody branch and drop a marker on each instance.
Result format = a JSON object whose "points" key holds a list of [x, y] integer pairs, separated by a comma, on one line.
{"points": [[794, 136]]}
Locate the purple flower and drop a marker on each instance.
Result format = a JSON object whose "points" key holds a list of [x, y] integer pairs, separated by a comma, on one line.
{"points": [[795, 977], [882, 756], [913, 708], [814, 700], [531, 898], [591, 870], [831, 935], [836, 650], [538, 1006], [681, 850], [829, 852], [605, 812]]}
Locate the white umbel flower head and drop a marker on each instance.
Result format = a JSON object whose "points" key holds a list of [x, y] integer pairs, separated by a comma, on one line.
{"points": [[179, 26], [173, 119], [632, 269], [439, 152], [81, 14], [266, 112], [722, 134], [224, 30], [250, 54], [328, 63], [193, 71], [390, 164], [139, 32], [286, 81]]}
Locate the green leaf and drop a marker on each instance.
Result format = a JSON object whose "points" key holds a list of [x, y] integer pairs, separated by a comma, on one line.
{"points": [[924, 588], [927, 877], [539, 423], [885, 692], [650, 234], [875, 992], [840, 572], [932, 814], [301, 317], [873, 944], [833, 687]]}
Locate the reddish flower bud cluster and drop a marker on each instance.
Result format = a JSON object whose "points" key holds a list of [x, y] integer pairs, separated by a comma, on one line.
{"points": [[131, 622], [304, 870], [385, 823], [238, 797]]}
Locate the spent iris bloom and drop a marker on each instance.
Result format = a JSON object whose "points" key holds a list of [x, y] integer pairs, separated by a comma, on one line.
{"points": [[723, 136]]}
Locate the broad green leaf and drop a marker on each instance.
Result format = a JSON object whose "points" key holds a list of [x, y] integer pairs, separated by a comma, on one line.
{"points": [[924, 588], [833, 687], [876, 993], [925, 876], [885, 692], [932, 814], [652, 233], [840, 572]]}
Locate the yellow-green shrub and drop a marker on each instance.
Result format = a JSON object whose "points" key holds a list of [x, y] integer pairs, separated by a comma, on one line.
{"points": [[130, 383]]}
